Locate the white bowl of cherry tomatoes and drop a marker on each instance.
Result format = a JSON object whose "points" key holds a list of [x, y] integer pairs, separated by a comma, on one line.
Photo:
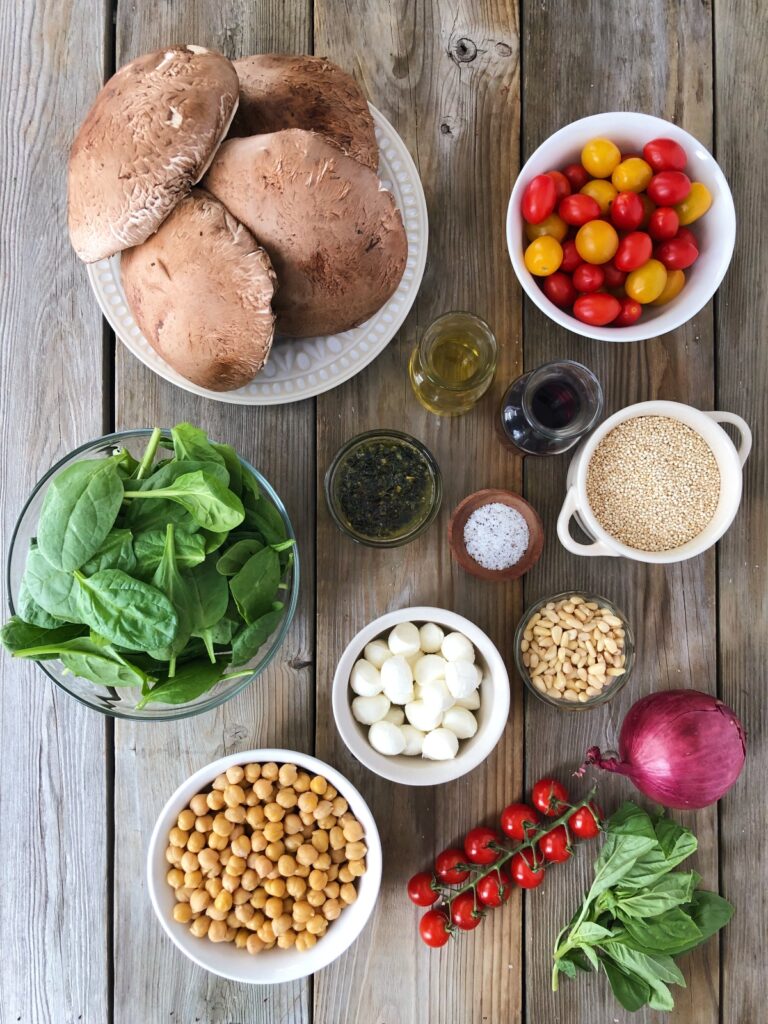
{"points": [[466, 882], [621, 226]]}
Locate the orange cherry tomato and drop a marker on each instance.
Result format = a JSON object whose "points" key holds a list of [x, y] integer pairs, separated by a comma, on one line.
{"points": [[552, 225], [597, 241], [544, 256], [602, 191], [695, 204], [600, 157], [632, 175], [647, 282], [673, 287]]}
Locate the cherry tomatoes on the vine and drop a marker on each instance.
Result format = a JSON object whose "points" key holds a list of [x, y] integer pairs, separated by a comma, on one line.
{"points": [[588, 278], [559, 289], [596, 309], [663, 223], [433, 928], [627, 211], [548, 795], [578, 209], [420, 889], [539, 198], [477, 847], [665, 155], [463, 912], [634, 250], [518, 821], [577, 176], [677, 254], [669, 187], [630, 313], [445, 867], [494, 889], [562, 185], [523, 872], [555, 845], [585, 823], [571, 258]]}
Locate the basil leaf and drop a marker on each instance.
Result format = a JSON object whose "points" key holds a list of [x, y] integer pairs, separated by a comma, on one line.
{"points": [[255, 585], [567, 967], [589, 933], [233, 464], [652, 967], [631, 991], [676, 842], [248, 641], [29, 610], [130, 613], [53, 590], [577, 958], [670, 932], [710, 913], [115, 553], [79, 509], [191, 444], [631, 820], [149, 545], [670, 891], [17, 635], [209, 502], [190, 682], [617, 858], [235, 557]]}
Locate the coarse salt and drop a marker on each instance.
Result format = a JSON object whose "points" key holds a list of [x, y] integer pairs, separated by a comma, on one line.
{"points": [[496, 536]]}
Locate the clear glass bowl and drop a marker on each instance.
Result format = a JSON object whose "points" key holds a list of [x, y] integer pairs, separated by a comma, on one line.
{"points": [[121, 703], [609, 692]]}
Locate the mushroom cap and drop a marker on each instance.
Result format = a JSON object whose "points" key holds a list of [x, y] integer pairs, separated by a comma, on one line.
{"points": [[200, 288], [280, 91], [332, 231], [147, 139]]}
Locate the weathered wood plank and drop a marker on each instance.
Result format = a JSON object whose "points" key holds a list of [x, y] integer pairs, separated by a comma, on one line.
{"points": [[53, 773], [654, 58], [276, 710], [741, 38], [447, 77]]}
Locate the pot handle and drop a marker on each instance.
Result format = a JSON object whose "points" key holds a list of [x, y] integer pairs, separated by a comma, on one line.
{"points": [[741, 425], [563, 531]]}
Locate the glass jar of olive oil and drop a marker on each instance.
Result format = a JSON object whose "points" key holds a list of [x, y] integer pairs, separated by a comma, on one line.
{"points": [[453, 365]]}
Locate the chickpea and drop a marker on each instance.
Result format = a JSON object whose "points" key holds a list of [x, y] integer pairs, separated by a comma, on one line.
{"points": [[345, 819], [302, 911], [275, 851], [273, 907], [323, 810], [331, 909], [200, 926], [301, 782], [348, 893], [222, 826], [232, 921], [308, 802], [173, 854], [333, 872], [337, 838], [286, 798], [308, 821], [331, 890], [189, 861], [236, 866], [216, 915], [318, 785], [182, 894], [292, 824], [339, 806], [199, 805], [275, 887], [345, 875], [217, 931], [326, 823], [241, 938], [207, 859], [213, 886], [263, 789], [223, 901], [356, 851], [234, 795], [259, 842], [287, 939], [259, 899], [317, 925], [199, 901], [240, 896], [252, 772], [305, 941], [353, 832], [306, 854], [250, 798], [282, 924], [196, 842], [236, 815], [269, 771], [254, 944], [296, 887], [220, 782], [244, 913], [303, 870], [178, 837], [323, 862], [320, 840], [175, 877], [266, 932], [357, 868], [186, 820], [249, 879], [318, 879], [286, 866], [193, 879], [274, 812], [292, 843], [255, 816], [217, 842], [182, 913], [235, 774], [230, 882], [225, 855], [315, 898], [287, 774], [215, 800], [241, 846]]}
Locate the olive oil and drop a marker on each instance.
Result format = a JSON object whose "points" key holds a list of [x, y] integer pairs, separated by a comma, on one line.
{"points": [[453, 365]]}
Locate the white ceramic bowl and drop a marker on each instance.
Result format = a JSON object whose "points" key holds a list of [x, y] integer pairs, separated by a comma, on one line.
{"points": [[729, 462], [274, 965], [716, 229], [491, 716]]}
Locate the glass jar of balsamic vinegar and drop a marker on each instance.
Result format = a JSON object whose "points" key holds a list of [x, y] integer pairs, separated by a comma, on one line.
{"points": [[453, 365]]}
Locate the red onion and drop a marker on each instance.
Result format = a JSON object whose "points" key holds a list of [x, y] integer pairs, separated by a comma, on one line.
{"points": [[682, 748]]}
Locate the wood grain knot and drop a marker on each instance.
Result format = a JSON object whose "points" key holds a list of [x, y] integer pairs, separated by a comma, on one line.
{"points": [[504, 49], [445, 129], [463, 51]]}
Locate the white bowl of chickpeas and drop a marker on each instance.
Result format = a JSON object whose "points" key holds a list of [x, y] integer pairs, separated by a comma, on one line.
{"points": [[264, 866]]}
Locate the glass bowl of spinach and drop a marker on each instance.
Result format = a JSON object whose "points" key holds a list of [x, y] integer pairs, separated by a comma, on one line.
{"points": [[152, 574]]}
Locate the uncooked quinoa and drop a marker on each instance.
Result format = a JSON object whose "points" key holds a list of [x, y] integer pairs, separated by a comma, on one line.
{"points": [[653, 483], [496, 536]]}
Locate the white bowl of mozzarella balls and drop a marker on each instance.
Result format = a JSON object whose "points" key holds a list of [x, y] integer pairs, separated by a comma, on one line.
{"points": [[421, 696]]}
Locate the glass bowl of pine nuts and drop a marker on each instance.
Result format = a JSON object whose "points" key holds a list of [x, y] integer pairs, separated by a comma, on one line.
{"points": [[574, 650], [264, 867]]}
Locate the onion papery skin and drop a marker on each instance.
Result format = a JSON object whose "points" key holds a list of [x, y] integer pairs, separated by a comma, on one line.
{"points": [[682, 748]]}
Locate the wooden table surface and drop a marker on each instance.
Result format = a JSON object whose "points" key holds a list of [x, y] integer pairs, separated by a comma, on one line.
{"points": [[473, 89]]}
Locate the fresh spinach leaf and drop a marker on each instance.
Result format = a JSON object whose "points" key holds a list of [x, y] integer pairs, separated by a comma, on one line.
{"points": [[190, 682], [95, 661], [213, 541], [251, 491], [125, 462], [169, 581], [53, 590], [79, 509], [149, 545], [255, 585], [233, 464], [129, 612], [249, 640], [30, 611], [208, 598], [235, 557], [17, 635], [271, 530], [115, 553], [210, 504], [191, 444]]}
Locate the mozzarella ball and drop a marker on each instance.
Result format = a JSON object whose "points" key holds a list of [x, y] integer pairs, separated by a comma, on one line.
{"points": [[435, 694], [404, 640], [395, 714], [397, 680], [461, 722], [422, 716], [387, 738], [368, 710], [414, 740], [471, 703], [429, 667], [377, 653], [430, 637], [365, 679], [456, 647], [460, 678], [440, 745]]}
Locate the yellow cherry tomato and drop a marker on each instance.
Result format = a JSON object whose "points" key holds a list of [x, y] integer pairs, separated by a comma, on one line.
{"points": [[551, 225], [544, 256], [602, 192], [695, 204], [673, 287], [599, 157], [632, 175], [647, 282], [597, 241]]}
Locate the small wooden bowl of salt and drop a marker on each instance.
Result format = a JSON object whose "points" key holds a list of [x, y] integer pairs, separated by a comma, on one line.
{"points": [[496, 535]]}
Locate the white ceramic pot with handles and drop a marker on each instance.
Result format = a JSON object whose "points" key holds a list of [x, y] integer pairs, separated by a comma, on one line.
{"points": [[729, 462]]}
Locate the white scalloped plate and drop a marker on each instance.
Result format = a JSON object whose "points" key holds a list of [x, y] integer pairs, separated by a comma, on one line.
{"points": [[307, 366]]}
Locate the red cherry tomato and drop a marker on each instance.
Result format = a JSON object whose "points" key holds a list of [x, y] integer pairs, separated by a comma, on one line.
{"points": [[518, 821], [686, 235], [585, 823], [588, 278], [627, 211], [677, 253], [523, 872], [663, 223], [562, 185], [555, 845], [539, 199], [669, 187], [559, 289], [665, 155], [634, 250], [463, 912], [578, 209], [549, 796], [597, 309], [648, 208], [433, 928], [577, 176], [630, 313], [614, 278], [571, 258], [494, 889], [476, 845], [420, 890], [445, 867]]}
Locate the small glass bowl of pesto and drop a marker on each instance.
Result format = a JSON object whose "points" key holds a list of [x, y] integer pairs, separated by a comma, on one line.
{"points": [[383, 488]]}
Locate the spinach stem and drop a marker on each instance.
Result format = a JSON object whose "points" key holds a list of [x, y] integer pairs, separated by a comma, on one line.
{"points": [[149, 454]]}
